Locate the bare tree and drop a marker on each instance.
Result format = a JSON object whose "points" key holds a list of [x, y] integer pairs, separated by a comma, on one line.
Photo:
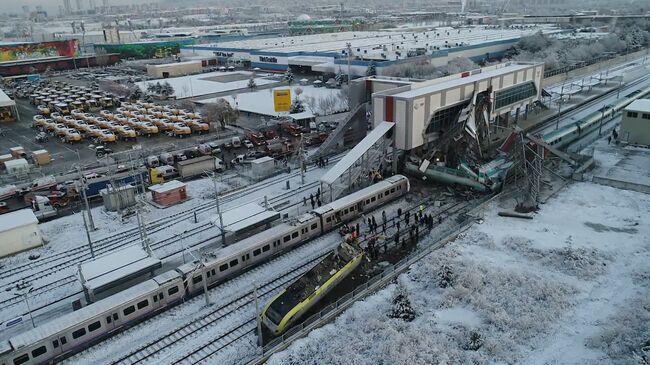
{"points": [[221, 111]]}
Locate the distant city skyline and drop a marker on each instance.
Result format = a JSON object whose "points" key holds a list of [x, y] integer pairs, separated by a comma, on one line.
{"points": [[11, 6]]}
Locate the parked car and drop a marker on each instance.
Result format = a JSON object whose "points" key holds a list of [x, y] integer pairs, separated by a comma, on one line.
{"points": [[248, 144]]}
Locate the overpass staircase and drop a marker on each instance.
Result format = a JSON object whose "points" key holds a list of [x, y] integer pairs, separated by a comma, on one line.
{"points": [[339, 133]]}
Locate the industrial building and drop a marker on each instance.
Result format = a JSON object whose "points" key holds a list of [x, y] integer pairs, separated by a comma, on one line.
{"points": [[174, 69], [423, 111], [19, 232], [329, 52], [635, 126]]}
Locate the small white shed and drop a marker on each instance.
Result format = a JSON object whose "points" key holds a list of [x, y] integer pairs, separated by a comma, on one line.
{"points": [[17, 166], [262, 167], [19, 232]]}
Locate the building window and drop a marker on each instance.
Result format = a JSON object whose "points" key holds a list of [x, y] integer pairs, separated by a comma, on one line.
{"points": [[442, 119], [633, 114], [514, 94], [646, 116]]}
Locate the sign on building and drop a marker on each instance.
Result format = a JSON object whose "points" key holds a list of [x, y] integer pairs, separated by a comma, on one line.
{"points": [[282, 100]]}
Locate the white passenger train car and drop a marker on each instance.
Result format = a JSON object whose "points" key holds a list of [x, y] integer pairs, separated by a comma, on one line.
{"points": [[75, 331]]}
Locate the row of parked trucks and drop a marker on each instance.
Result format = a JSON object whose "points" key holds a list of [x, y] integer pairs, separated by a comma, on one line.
{"points": [[60, 97]]}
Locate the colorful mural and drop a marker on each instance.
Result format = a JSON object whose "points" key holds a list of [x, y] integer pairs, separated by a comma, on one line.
{"points": [[143, 50], [28, 51]]}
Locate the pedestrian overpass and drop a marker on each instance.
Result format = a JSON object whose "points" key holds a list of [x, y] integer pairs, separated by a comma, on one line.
{"points": [[356, 167]]}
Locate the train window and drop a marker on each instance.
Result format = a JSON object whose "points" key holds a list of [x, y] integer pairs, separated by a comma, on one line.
{"points": [[63, 340], [78, 333], [367, 201], [314, 226], [345, 211], [143, 304], [286, 238], [213, 272], [392, 190], [114, 318], [223, 267], [155, 297], [277, 243], [21, 359], [352, 208], [257, 252], [55, 344], [294, 235], [387, 192], [39, 351], [234, 262], [266, 248], [372, 199], [95, 326], [329, 219], [128, 310], [197, 279], [109, 319], [172, 290], [161, 296]]}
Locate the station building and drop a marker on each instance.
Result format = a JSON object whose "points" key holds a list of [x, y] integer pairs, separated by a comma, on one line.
{"points": [[423, 111], [328, 53]]}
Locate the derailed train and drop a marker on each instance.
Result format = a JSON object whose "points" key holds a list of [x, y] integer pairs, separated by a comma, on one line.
{"points": [[74, 331]]}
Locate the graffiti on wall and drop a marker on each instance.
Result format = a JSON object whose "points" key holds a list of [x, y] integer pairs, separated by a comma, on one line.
{"points": [[27, 51], [145, 49]]}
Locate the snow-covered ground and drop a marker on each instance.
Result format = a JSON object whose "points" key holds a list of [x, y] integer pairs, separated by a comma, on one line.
{"points": [[202, 84], [571, 286], [317, 100]]}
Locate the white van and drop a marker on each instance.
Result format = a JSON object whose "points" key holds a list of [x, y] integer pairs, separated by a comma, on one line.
{"points": [[218, 165], [167, 171], [236, 142], [152, 161]]}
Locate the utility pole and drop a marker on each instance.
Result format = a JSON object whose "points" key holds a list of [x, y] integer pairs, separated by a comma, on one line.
{"points": [[349, 48], [302, 161], [205, 282], [216, 198], [85, 197], [90, 241], [143, 232], [29, 310], [559, 108], [258, 315]]}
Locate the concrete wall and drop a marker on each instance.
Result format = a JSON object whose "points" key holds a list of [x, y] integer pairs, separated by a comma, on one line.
{"points": [[636, 130]]}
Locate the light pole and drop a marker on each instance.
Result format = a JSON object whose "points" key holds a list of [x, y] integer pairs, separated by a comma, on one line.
{"points": [[29, 310], [559, 108], [216, 198], [260, 340]]}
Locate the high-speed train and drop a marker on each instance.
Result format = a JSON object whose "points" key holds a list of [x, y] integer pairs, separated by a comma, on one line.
{"points": [[571, 132], [75, 331]]}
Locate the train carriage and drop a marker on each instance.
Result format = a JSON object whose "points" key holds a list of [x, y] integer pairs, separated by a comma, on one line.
{"points": [[74, 330]]}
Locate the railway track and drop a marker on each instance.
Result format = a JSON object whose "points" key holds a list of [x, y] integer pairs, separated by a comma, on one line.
{"points": [[238, 314], [242, 303], [61, 260], [544, 127]]}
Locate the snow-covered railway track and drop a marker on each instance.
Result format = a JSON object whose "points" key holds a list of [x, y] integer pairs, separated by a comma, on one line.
{"points": [[240, 305], [69, 258]]}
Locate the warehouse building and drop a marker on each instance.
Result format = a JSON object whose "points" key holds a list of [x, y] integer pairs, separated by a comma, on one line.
{"points": [[19, 232], [328, 53], [174, 69], [423, 111], [635, 126]]}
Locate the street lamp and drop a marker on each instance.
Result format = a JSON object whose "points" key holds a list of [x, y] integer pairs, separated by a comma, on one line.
{"points": [[29, 310]]}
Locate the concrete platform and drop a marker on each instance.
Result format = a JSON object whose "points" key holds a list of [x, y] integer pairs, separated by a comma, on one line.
{"points": [[631, 172]]}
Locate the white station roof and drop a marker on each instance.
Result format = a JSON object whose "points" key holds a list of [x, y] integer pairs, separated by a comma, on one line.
{"points": [[113, 267], [640, 105], [244, 216], [19, 218], [6, 100], [355, 154]]}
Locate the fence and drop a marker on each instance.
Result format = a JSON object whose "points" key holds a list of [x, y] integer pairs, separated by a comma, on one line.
{"points": [[373, 284]]}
